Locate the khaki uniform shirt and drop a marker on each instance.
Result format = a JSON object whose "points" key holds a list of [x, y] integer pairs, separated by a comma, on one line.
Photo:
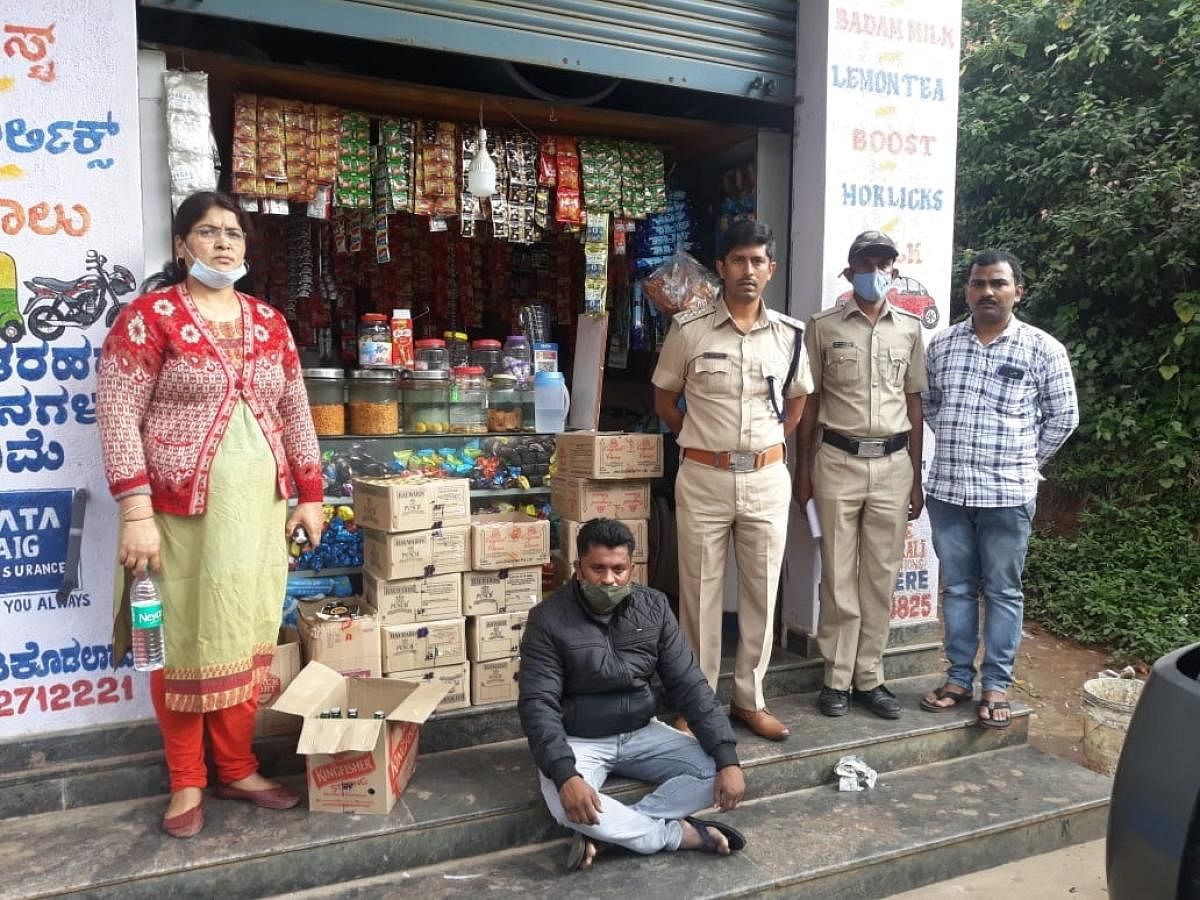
{"points": [[724, 376], [863, 372]]}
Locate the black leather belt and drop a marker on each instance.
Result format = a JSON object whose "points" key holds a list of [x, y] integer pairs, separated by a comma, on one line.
{"points": [[866, 447]]}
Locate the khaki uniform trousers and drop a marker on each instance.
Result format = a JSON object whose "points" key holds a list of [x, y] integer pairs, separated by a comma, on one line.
{"points": [[709, 504], [862, 506]]}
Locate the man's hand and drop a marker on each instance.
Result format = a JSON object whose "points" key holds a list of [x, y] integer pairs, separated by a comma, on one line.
{"points": [[581, 802], [802, 486], [916, 502], [729, 788]]}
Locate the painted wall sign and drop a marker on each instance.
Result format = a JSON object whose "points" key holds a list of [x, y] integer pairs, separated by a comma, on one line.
{"points": [[70, 245]]}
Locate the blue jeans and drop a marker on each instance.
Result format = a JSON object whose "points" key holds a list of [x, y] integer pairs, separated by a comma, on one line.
{"points": [[685, 775], [981, 548]]}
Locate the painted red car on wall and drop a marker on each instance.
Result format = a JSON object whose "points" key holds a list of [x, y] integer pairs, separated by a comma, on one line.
{"points": [[911, 296]]}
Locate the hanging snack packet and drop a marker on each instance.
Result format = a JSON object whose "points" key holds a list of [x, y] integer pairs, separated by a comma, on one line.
{"points": [[681, 283]]}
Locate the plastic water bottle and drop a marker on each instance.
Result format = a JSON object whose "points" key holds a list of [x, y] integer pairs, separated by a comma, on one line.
{"points": [[551, 402], [147, 614]]}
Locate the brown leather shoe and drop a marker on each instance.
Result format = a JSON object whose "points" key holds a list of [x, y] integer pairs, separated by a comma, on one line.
{"points": [[761, 722], [186, 824], [682, 725], [271, 798]]}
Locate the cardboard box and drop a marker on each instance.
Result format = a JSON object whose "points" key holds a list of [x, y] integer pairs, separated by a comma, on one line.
{"points": [[358, 765], [424, 645], [507, 590], [496, 636], [285, 666], [417, 554], [413, 503], [568, 531], [639, 574], [563, 572], [609, 454], [507, 540], [456, 679], [580, 499], [348, 646], [414, 599], [495, 681]]}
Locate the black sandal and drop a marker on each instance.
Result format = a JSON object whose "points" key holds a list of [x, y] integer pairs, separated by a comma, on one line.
{"points": [[942, 694], [578, 851], [991, 706], [708, 844]]}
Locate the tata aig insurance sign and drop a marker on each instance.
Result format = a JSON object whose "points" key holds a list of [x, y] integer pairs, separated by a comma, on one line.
{"points": [[892, 118], [70, 258]]}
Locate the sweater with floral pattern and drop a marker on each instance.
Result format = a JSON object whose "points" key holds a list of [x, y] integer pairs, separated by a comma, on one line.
{"points": [[165, 394]]}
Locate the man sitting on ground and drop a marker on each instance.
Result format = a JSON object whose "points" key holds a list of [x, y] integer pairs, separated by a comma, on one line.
{"points": [[588, 711]]}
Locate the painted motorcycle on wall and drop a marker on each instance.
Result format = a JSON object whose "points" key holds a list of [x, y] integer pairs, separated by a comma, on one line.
{"points": [[55, 305]]}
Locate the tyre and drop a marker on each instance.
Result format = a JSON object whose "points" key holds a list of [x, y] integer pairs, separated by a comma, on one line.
{"points": [[12, 330], [930, 317], [41, 323]]}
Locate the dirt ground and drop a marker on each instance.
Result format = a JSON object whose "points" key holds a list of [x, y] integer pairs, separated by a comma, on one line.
{"points": [[1049, 676]]}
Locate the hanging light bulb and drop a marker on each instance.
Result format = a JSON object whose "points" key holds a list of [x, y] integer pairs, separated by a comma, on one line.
{"points": [[481, 176]]}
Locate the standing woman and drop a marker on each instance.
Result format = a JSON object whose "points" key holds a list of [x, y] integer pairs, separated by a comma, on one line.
{"points": [[204, 426]]}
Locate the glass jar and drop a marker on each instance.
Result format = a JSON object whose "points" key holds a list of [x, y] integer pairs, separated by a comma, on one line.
{"points": [[431, 355], [468, 401], [374, 404], [486, 353], [528, 408], [504, 404], [457, 348], [427, 402], [326, 399], [374, 341], [517, 358]]}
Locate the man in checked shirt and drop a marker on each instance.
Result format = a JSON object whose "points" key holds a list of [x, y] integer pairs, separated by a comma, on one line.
{"points": [[1001, 402]]}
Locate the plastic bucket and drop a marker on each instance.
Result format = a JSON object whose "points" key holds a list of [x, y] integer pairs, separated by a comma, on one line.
{"points": [[1108, 705]]}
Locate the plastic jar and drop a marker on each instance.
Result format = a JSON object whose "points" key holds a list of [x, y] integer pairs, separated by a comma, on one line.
{"points": [[504, 404], [457, 348], [427, 402], [326, 399], [517, 358], [374, 341], [486, 353], [374, 404], [468, 401], [431, 355]]}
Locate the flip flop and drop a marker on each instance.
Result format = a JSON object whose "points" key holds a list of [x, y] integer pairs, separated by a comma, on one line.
{"points": [[736, 839], [578, 851], [943, 694], [991, 706]]}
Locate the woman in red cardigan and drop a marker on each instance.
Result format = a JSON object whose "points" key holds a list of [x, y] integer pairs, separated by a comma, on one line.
{"points": [[204, 426]]}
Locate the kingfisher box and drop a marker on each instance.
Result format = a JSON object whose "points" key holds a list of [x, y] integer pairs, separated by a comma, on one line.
{"points": [[358, 765], [412, 503], [609, 454]]}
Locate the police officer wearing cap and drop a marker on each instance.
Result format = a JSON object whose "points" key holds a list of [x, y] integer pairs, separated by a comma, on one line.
{"points": [[744, 374], [864, 423]]}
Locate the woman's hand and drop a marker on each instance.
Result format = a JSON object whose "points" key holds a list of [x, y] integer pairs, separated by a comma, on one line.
{"points": [[311, 516], [138, 545]]}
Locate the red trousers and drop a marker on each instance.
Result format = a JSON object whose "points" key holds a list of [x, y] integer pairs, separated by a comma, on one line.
{"points": [[230, 730]]}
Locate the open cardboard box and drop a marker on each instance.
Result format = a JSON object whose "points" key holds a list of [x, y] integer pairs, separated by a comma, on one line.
{"points": [[358, 765]]}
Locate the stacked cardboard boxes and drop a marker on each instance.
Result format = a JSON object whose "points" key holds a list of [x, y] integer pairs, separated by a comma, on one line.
{"points": [[605, 475], [416, 544]]}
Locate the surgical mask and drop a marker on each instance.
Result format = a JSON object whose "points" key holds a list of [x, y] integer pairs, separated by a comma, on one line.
{"points": [[215, 278], [602, 599], [872, 286]]}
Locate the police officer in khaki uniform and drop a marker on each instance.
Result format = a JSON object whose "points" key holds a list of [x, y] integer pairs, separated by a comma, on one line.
{"points": [[868, 365], [744, 374]]}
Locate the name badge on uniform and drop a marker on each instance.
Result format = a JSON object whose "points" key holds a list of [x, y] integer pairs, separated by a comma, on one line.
{"points": [[838, 345], [1012, 372], [714, 356]]}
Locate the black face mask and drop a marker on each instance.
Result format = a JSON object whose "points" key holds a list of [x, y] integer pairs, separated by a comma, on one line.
{"points": [[602, 599]]}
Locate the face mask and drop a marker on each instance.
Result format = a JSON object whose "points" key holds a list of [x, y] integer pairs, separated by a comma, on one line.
{"points": [[602, 599], [872, 286], [214, 278]]}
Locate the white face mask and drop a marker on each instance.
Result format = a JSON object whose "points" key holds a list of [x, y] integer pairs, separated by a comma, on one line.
{"points": [[215, 278]]}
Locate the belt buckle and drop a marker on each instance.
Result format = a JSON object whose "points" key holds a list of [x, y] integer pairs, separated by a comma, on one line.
{"points": [[872, 449], [742, 461]]}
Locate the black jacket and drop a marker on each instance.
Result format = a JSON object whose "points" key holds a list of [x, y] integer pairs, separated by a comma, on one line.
{"points": [[588, 676]]}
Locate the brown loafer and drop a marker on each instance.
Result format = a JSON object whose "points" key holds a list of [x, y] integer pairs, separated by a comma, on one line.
{"points": [[186, 824], [761, 722], [682, 725], [271, 798]]}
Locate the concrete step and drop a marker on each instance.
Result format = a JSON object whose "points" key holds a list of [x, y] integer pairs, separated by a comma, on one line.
{"points": [[918, 826], [100, 765], [461, 803]]}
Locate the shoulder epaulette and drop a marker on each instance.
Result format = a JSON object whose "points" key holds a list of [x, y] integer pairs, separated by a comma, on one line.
{"points": [[782, 319], [837, 308], [906, 313], [691, 315]]}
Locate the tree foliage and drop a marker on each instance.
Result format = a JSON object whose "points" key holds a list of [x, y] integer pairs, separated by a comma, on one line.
{"points": [[1079, 151]]}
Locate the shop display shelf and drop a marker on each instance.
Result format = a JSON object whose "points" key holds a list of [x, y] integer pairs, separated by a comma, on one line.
{"points": [[483, 494], [328, 572], [404, 435]]}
